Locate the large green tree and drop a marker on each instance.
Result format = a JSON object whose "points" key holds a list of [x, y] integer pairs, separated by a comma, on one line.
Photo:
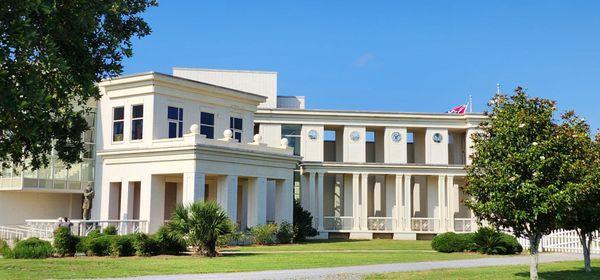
{"points": [[521, 167], [52, 54]]}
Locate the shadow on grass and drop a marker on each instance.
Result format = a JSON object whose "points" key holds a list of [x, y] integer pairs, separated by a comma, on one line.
{"points": [[564, 274], [237, 254]]}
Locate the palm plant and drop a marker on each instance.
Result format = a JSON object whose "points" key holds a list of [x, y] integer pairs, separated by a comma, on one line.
{"points": [[200, 224]]}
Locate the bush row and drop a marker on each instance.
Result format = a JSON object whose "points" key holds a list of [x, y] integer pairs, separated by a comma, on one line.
{"points": [[485, 240]]}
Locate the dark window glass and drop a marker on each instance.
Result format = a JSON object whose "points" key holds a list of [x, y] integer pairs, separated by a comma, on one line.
{"points": [[172, 130], [238, 124], [118, 113], [173, 113], [181, 114], [136, 129], [207, 118], [118, 131], [180, 129], [138, 111], [238, 136], [209, 131]]}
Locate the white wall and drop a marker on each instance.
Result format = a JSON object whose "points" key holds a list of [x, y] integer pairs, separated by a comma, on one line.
{"points": [[354, 151], [271, 133], [17, 206], [395, 152], [436, 153], [312, 149]]}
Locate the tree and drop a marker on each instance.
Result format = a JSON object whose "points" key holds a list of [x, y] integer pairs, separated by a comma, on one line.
{"points": [[583, 214], [200, 224], [302, 223], [517, 177], [53, 53]]}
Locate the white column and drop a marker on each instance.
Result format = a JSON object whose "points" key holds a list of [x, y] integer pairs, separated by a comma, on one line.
{"points": [[407, 203], [284, 201], [312, 201], [304, 192], [364, 198], [257, 201], [319, 200], [442, 208], [227, 189], [452, 201], [152, 201], [399, 201], [105, 201], [355, 201], [126, 201], [193, 187]]}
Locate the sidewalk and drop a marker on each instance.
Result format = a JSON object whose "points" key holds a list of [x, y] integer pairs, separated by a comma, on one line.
{"points": [[356, 272]]}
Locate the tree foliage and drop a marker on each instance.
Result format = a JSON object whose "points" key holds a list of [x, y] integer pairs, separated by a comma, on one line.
{"points": [[53, 53], [522, 166]]}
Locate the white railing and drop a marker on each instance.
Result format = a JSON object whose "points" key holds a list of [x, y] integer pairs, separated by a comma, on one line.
{"points": [[20, 232], [464, 224], [425, 224], [84, 227], [381, 223], [338, 222], [561, 241]]}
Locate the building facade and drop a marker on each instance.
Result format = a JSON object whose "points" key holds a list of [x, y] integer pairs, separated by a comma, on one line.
{"points": [[227, 136]]}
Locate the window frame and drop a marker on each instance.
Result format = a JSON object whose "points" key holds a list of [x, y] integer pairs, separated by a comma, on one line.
{"points": [[113, 125], [208, 125], [178, 122], [234, 130], [137, 119]]}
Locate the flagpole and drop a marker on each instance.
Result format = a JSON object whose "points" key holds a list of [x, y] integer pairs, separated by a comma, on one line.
{"points": [[470, 103]]}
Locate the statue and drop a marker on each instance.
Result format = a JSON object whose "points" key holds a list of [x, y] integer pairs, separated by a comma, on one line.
{"points": [[88, 196]]}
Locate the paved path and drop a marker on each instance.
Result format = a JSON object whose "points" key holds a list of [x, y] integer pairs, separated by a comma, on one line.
{"points": [[356, 272]]}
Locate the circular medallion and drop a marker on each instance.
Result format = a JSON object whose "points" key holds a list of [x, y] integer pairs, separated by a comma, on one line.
{"points": [[313, 134], [437, 138], [396, 136], [354, 136]]}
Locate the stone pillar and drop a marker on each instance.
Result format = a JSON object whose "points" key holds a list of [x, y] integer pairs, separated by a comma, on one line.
{"points": [[304, 192], [227, 189], [257, 201], [193, 187], [407, 203], [399, 201], [284, 201], [126, 200], [312, 201], [152, 201], [105, 201], [364, 199], [319, 200], [355, 201], [452, 198], [442, 207]]}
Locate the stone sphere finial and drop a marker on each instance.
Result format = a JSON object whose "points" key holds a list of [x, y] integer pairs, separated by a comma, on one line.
{"points": [[284, 142], [257, 138], [194, 129], [227, 133]]}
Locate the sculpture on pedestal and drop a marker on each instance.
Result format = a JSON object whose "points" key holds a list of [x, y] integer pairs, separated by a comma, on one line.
{"points": [[88, 196]]}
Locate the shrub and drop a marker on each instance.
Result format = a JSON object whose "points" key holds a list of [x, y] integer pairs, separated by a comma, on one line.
{"points": [[3, 246], [144, 245], [31, 248], [302, 223], [110, 230], [285, 233], [201, 224], [452, 242], [264, 234], [65, 243], [492, 242], [235, 237], [168, 242], [122, 246], [100, 246]]}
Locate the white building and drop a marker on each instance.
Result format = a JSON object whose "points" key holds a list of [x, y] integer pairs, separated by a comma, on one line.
{"points": [[221, 135]]}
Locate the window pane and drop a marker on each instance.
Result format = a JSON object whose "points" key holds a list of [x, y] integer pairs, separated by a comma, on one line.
{"points": [[181, 114], [209, 131], [238, 124], [207, 118], [138, 111], [172, 130], [136, 129], [231, 122], [180, 129], [118, 131], [118, 113], [290, 129], [238, 136], [172, 113]]}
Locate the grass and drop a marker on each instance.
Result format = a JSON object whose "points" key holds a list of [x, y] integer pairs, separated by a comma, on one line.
{"points": [[247, 259], [559, 270]]}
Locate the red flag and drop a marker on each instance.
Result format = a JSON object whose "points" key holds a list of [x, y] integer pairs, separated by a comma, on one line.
{"points": [[459, 110]]}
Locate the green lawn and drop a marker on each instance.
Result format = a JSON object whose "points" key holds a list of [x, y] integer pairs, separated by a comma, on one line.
{"points": [[400, 251], [560, 270]]}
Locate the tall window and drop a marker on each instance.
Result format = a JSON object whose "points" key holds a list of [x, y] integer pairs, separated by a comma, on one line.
{"points": [[175, 116], [137, 121], [118, 122], [207, 125], [235, 124], [292, 133]]}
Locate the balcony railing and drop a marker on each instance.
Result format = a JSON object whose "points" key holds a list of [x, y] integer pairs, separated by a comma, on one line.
{"points": [[84, 227], [464, 224], [338, 222], [425, 224], [381, 223]]}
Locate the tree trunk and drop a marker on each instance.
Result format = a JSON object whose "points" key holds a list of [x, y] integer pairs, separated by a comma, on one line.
{"points": [[534, 242], [585, 238]]}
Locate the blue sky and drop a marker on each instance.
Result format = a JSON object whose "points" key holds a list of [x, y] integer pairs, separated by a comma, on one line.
{"points": [[418, 56]]}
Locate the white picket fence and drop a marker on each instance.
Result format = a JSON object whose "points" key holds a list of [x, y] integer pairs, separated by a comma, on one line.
{"points": [[562, 241]]}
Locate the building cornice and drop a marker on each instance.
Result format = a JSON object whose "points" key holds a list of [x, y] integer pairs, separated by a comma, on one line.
{"points": [[383, 168]]}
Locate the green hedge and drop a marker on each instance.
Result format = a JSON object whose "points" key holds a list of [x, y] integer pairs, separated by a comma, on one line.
{"points": [[485, 240], [452, 242], [65, 243], [31, 248], [263, 234]]}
